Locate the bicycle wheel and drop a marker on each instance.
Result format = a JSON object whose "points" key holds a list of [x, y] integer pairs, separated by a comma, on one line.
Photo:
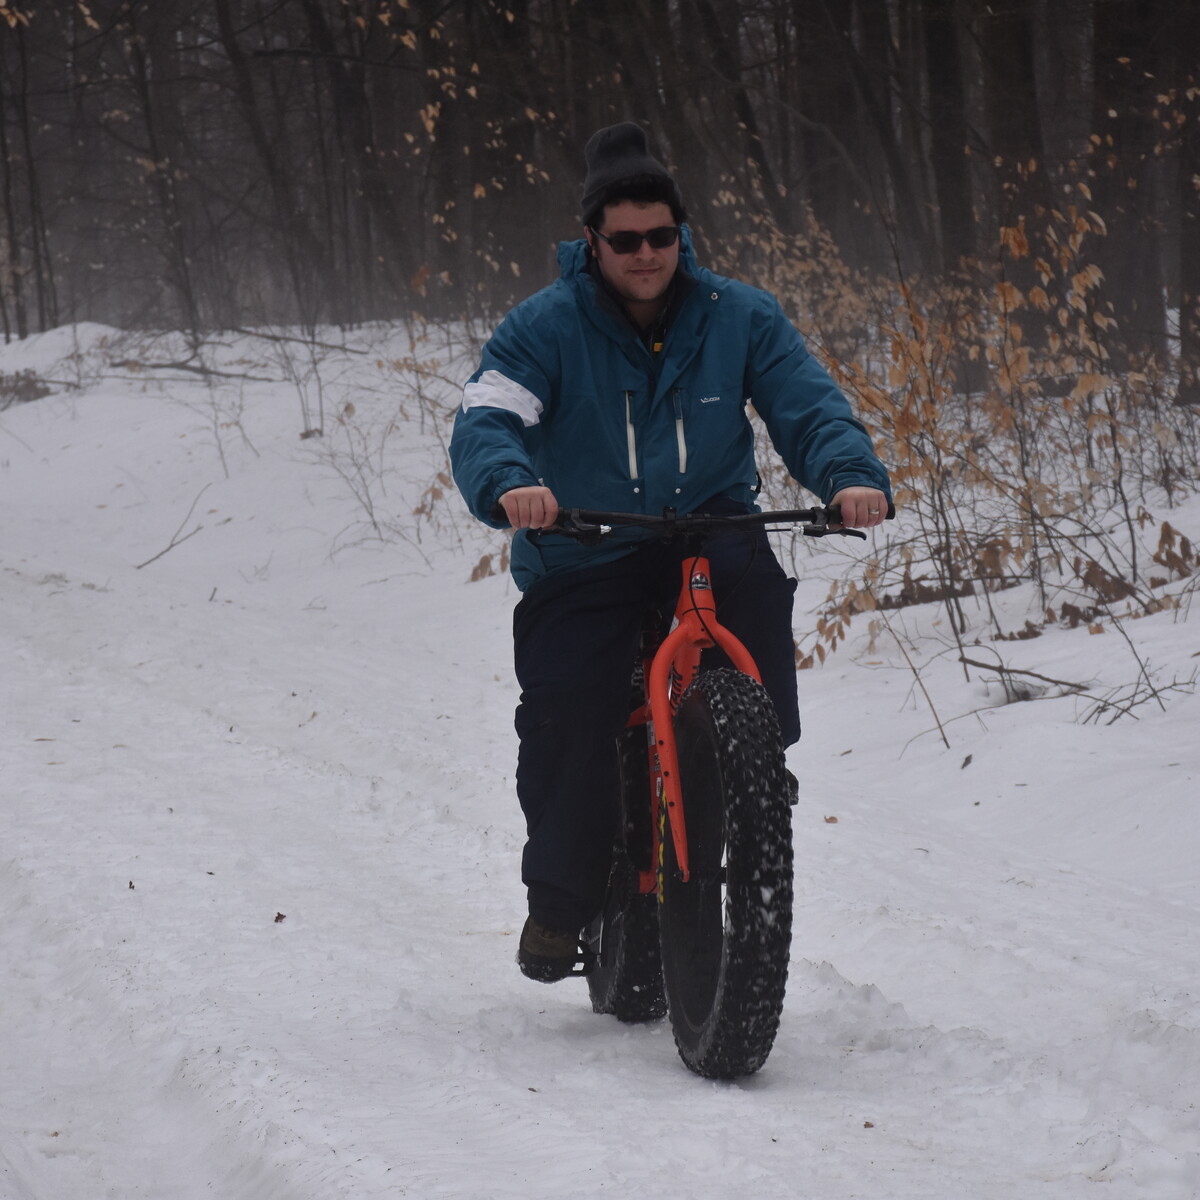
{"points": [[726, 933], [627, 978]]}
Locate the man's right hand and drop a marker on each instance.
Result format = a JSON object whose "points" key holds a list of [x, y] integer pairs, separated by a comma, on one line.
{"points": [[530, 507]]}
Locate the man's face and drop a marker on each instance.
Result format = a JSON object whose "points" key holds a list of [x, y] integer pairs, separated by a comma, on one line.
{"points": [[643, 277]]}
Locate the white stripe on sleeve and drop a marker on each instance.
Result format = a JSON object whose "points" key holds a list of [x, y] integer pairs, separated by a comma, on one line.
{"points": [[493, 390]]}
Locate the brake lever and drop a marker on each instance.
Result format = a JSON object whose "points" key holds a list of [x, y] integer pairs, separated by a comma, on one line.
{"points": [[570, 525], [820, 526], [825, 531]]}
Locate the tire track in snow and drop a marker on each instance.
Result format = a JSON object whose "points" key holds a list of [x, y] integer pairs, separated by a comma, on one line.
{"points": [[999, 975], [379, 1033], [219, 828]]}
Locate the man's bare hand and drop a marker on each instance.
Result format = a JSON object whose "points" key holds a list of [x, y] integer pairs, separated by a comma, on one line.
{"points": [[530, 507], [862, 507]]}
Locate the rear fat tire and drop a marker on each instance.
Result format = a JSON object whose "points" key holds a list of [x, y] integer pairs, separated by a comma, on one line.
{"points": [[626, 980], [726, 934]]}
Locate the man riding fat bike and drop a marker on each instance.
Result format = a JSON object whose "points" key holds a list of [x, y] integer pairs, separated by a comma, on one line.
{"points": [[624, 386]]}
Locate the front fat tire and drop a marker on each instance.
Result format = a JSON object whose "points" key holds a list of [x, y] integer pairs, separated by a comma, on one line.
{"points": [[726, 934], [626, 980]]}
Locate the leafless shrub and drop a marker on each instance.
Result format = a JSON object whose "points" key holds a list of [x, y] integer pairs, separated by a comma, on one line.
{"points": [[22, 387], [1022, 457]]}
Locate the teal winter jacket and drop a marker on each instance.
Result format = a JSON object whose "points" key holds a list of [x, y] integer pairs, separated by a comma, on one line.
{"points": [[569, 397]]}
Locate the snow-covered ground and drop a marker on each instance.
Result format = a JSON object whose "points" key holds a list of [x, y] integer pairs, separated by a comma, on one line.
{"points": [[259, 859]]}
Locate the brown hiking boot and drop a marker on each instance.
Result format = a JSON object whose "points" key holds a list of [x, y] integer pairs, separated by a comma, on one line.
{"points": [[549, 955]]}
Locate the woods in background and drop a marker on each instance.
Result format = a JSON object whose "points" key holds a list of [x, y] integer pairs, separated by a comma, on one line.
{"points": [[222, 162]]}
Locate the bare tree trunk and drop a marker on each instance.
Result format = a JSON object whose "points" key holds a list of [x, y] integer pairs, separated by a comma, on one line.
{"points": [[375, 214], [307, 258], [1187, 85], [723, 52], [871, 70], [835, 189], [43, 272], [160, 176], [38, 269], [1021, 195], [15, 268], [1010, 102], [948, 131], [1127, 75]]}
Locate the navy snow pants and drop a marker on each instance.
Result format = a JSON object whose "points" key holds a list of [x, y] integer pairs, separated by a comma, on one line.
{"points": [[576, 638]]}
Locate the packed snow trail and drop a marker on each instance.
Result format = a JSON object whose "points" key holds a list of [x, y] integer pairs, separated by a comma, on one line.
{"points": [[259, 868]]}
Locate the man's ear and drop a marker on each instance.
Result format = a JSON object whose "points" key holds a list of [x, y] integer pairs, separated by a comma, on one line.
{"points": [[591, 240]]}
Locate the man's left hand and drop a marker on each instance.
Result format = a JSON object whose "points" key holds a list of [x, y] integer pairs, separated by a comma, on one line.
{"points": [[862, 507]]}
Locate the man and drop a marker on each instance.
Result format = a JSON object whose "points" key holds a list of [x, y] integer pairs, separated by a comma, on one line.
{"points": [[623, 386]]}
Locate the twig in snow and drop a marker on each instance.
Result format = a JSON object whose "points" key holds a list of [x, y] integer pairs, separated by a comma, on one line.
{"points": [[916, 675], [1120, 627], [1122, 706], [175, 538]]}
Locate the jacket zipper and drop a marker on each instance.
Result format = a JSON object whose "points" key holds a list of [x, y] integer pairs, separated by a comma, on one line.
{"points": [[680, 440], [630, 436]]}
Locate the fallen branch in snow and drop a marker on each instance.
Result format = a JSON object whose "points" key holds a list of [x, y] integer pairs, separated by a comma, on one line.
{"points": [[175, 538], [1119, 702], [135, 365], [1016, 693], [304, 341]]}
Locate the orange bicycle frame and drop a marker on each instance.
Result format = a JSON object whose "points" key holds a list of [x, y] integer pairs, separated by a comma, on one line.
{"points": [[667, 676]]}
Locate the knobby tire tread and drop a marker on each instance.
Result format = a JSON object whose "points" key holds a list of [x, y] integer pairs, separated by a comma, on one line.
{"points": [[726, 935]]}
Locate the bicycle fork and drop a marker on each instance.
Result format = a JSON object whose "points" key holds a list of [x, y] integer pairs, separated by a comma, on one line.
{"points": [[670, 673]]}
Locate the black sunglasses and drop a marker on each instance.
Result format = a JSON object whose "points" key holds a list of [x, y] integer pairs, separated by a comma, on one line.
{"points": [[628, 242]]}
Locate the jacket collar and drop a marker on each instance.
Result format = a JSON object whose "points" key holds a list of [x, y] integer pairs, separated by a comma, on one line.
{"points": [[689, 316], [678, 290], [603, 306]]}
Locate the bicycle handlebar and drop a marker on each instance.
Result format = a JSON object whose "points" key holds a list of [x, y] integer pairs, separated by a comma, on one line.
{"points": [[590, 526]]}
